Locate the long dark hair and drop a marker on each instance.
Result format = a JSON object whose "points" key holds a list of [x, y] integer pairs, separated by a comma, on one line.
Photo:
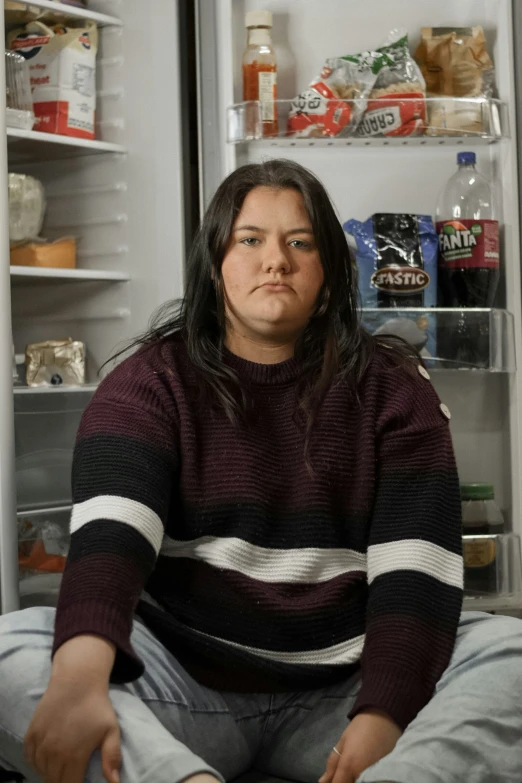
{"points": [[333, 345]]}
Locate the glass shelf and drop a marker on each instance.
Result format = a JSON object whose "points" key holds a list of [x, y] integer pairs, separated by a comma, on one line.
{"points": [[496, 604], [448, 121], [28, 10], [64, 389], [473, 339], [28, 274], [30, 146]]}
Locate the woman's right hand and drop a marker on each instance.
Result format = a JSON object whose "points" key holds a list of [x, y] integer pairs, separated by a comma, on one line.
{"points": [[75, 716]]}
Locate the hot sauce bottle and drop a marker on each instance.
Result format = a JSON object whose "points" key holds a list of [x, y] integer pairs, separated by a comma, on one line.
{"points": [[260, 69]]}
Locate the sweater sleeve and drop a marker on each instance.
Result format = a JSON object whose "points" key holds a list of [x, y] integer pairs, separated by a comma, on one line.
{"points": [[415, 570], [124, 464]]}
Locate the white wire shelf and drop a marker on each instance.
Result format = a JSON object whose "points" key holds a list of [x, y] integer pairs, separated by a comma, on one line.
{"points": [[441, 121], [89, 388], [28, 146], [61, 11], [494, 603], [28, 274]]}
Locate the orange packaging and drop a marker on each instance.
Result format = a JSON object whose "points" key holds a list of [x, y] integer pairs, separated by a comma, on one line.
{"points": [[60, 254]]}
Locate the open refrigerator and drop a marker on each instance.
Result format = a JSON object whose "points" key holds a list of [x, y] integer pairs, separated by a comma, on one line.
{"points": [[367, 174], [123, 196]]}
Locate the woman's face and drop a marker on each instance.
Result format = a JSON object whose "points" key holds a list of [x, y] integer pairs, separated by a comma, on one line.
{"points": [[271, 271]]}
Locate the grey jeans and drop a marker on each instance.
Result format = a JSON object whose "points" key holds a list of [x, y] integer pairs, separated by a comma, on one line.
{"points": [[171, 727]]}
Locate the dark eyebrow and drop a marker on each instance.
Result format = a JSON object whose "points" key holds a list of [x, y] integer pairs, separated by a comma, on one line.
{"points": [[301, 231], [250, 228], [262, 230]]}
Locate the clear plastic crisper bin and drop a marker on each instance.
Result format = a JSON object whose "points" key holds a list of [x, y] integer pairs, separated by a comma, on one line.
{"points": [[451, 338], [43, 545], [492, 565], [45, 432]]}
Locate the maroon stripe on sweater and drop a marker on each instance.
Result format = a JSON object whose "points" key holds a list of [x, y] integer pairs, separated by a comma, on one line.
{"points": [[231, 589], [419, 660], [102, 577]]}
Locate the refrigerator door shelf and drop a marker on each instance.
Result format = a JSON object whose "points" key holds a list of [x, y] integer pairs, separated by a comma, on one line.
{"points": [[473, 339], [443, 121]]}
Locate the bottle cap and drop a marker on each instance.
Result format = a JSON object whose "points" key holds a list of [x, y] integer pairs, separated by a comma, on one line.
{"points": [[477, 492], [466, 157], [258, 19]]}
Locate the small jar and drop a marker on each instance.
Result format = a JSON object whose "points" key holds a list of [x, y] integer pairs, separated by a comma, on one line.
{"points": [[481, 520]]}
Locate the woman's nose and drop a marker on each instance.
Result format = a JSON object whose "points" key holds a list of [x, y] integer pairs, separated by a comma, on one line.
{"points": [[275, 259]]}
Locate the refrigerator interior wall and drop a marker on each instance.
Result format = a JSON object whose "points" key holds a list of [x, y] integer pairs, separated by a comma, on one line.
{"points": [[362, 181], [126, 210]]}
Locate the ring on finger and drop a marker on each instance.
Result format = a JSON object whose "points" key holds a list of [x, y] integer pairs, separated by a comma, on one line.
{"points": [[335, 750]]}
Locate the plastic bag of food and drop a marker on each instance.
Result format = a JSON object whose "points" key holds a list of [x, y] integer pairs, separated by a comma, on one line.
{"points": [[396, 103], [41, 547], [396, 258], [336, 100], [455, 63], [26, 207], [55, 362]]}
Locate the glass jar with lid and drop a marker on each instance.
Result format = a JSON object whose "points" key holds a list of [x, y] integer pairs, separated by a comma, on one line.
{"points": [[482, 521]]}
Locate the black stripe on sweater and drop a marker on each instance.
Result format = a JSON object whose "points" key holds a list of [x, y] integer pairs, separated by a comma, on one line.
{"points": [[131, 468]]}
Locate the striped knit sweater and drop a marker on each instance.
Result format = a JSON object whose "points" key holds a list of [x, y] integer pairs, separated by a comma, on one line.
{"points": [[255, 572]]}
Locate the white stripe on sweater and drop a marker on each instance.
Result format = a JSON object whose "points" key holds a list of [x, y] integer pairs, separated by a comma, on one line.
{"points": [[119, 509], [415, 555], [348, 651], [310, 565]]}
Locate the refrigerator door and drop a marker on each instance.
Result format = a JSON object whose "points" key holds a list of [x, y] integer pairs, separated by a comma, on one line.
{"points": [[373, 175], [8, 529]]}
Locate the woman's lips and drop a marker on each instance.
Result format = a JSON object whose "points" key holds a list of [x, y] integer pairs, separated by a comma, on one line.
{"points": [[276, 286]]}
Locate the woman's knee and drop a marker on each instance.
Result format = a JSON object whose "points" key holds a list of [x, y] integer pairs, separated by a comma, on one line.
{"points": [[487, 637], [38, 619], [487, 628], [26, 640]]}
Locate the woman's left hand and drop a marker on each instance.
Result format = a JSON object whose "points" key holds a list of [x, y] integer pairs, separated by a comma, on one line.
{"points": [[370, 736]]}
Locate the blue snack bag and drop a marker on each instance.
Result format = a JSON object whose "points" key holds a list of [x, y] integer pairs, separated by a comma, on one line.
{"points": [[397, 267]]}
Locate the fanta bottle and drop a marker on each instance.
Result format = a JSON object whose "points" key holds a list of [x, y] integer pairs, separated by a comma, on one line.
{"points": [[468, 239]]}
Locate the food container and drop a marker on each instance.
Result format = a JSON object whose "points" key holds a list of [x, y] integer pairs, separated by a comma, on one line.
{"points": [[60, 254], [19, 103], [492, 565]]}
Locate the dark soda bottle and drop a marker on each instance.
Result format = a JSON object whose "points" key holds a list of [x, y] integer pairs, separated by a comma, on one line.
{"points": [[468, 263]]}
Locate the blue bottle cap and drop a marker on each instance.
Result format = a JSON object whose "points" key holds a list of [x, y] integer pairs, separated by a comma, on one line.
{"points": [[466, 157]]}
